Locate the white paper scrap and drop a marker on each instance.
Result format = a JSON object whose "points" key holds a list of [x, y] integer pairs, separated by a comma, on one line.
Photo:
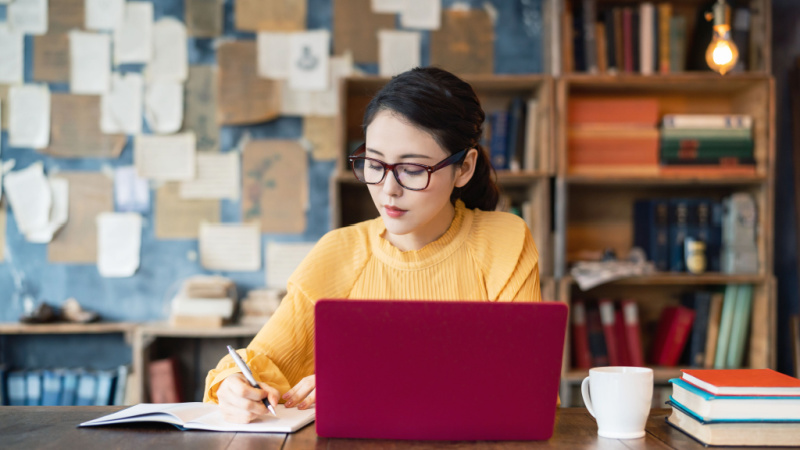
{"points": [[398, 51], [218, 176], [326, 103], [295, 103], [282, 259], [29, 196], [273, 57], [422, 14], [170, 60], [165, 157], [308, 57], [59, 212], [230, 246], [163, 106], [388, 6], [133, 42], [28, 16], [131, 193], [12, 44], [119, 242], [90, 62], [29, 116], [103, 14], [121, 106]]}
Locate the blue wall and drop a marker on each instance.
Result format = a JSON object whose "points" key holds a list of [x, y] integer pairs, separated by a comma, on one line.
{"points": [[145, 296]]}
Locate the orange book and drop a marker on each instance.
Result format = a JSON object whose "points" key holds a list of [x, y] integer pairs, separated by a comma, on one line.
{"points": [[745, 382], [641, 111]]}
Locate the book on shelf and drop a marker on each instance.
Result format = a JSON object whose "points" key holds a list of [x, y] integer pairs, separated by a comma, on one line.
{"points": [[647, 31], [708, 406], [164, 381], [651, 230], [746, 382], [707, 121], [633, 333], [16, 388], [740, 326], [52, 386], [714, 315], [87, 388], [678, 219], [700, 302], [3, 384], [33, 388], [621, 337], [516, 134], [673, 329], [582, 356], [725, 325], [607, 321], [597, 341], [498, 144], [533, 158], [105, 387]]}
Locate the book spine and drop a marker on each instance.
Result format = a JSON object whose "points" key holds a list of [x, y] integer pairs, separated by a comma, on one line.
{"points": [[70, 387], [721, 162], [17, 390], [590, 40], [708, 121], [627, 38], [664, 17], [700, 302], [51, 388], [516, 135], [633, 333], [646, 38], [678, 229], [499, 140], [611, 26], [580, 338], [597, 342], [607, 318], [678, 334], [622, 339], [677, 44], [740, 326], [714, 314], [33, 388], [725, 325], [87, 389]]}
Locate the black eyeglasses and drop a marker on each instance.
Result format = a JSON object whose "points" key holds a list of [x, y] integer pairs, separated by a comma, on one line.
{"points": [[411, 176]]}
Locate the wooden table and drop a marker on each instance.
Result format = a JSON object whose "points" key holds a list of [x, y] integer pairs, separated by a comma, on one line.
{"points": [[45, 427]]}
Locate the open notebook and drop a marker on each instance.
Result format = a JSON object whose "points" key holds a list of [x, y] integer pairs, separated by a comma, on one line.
{"points": [[207, 417]]}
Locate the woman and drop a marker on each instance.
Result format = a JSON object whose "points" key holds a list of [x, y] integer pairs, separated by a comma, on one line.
{"points": [[437, 237]]}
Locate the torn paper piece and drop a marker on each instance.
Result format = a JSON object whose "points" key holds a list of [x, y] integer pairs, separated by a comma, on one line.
{"points": [[75, 131], [59, 212], [355, 28], [64, 16], [230, 247], [133, 41], [422, 14], [282, 259], [165, 157], [170, 61], [177, 218], [12, 44], [28, 16], [51, 58], [131, 192], [119, 241], [308, 60], [29, 196], [273, 59], [326, 103], [242, 96], [204, 18], [272, 15], [200, 110], [121, 107], [399, 51], [163, 106], [217, 176], [103, 14], [29, 116], [90, 62], [322, 134], [388, 6]]}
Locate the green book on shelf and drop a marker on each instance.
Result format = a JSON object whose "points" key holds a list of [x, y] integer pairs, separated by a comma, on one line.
{"points": [[725, 324], [741, 323]]}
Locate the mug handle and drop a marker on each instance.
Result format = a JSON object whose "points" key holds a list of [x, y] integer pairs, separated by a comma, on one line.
{"points": [[587, 399]]}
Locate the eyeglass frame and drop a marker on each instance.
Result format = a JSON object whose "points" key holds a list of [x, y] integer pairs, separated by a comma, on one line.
{"points": [[450, 160]]}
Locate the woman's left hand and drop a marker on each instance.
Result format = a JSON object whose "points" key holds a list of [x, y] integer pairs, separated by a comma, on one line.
{"points": [[303, 394]]}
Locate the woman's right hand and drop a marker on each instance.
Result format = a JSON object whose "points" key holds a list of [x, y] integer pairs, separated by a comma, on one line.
{"points": [[242, 403]]}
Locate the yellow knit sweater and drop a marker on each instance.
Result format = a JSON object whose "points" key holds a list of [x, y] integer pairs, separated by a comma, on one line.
{"points": [[484, 256]]}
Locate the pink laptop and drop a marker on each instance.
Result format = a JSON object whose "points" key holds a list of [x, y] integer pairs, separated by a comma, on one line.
{"points": [[437, 370]]}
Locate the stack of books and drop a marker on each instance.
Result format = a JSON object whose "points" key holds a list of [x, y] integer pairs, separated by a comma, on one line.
{"points": [[204, 301], [752, 407], [259, 305], [707, 143]]}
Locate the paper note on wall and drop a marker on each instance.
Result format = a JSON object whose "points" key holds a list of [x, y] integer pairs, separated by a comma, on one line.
{"points": [[296, 103], [170, 59], [29, 116], [58, 215], [399, 51], [275, 185], [201, 107], [131, 193], [230, 246], [4, 107], [12, 44], [422, 14], [51, 58], [119, 240], [242, 96], [204, 18], [104, 14], [165, 157], [326, 103], [75, 131], [218, 176], [90, 62], [465, 43], [177, 218], [121, 107], [28, 16], [2, 231], [388, 6], [323, 134], [29, 196], [273, 59], [133, 41], [274, 15], [65, 15], [355, 28], [90, 193], [163, 106], [282, 259], [308, 60]]}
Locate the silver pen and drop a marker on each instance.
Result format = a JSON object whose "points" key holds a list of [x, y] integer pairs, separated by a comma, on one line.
{"points": [[249, 375]]}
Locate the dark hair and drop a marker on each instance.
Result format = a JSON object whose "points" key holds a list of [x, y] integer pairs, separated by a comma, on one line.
{"points": [[445, 106]]}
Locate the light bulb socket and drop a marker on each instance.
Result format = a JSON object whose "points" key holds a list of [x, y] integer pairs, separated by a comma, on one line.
{"points": [[722, 13]]}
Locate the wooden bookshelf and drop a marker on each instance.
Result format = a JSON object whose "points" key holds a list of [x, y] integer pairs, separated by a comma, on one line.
{"points": [[67, 328]]}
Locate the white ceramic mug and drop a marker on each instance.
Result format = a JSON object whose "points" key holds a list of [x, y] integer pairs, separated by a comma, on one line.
{"points": [[619, 398]]}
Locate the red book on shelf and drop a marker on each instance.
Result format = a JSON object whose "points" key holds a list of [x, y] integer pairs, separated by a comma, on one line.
{"points": [[633, 334], [672, 333], [619, 330], [610, 334], [627, 38], [580, 337], [597, 111], [746, 382], [164, 381]]}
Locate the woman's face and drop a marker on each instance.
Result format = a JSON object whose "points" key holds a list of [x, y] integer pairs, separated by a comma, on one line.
{"points": [[412, 218]]}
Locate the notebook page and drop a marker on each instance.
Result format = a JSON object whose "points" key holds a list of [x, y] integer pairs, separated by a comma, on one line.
{"points": [[288, 421]]}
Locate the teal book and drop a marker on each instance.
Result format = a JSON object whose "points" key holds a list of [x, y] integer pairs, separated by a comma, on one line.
{"points": [[87, 389], [33, 388], [740, 326], [105, 387], [51, 388], [725, 325], [711, 407], [707, 133], [16, 389], [69, 384], [121, 385]]}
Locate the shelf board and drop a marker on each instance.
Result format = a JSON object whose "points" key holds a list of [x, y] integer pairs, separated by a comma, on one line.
{"points": [[679, 279], [704, 82], [166, 330], [660, 374], [671, 180], [67, 328]]}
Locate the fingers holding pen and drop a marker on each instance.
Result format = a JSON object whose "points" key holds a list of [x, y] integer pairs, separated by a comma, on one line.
{"points": [[303, 394]]}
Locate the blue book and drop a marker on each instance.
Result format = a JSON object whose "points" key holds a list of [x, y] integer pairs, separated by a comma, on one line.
{"points": [[678, 231], [650, 230], [51, 388], [498, 147], [33, 388], [105, 387], [17, 391], [70, 387], [121, 385], [714, 241], [700, 302], [3, 385], [87, 389]]}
